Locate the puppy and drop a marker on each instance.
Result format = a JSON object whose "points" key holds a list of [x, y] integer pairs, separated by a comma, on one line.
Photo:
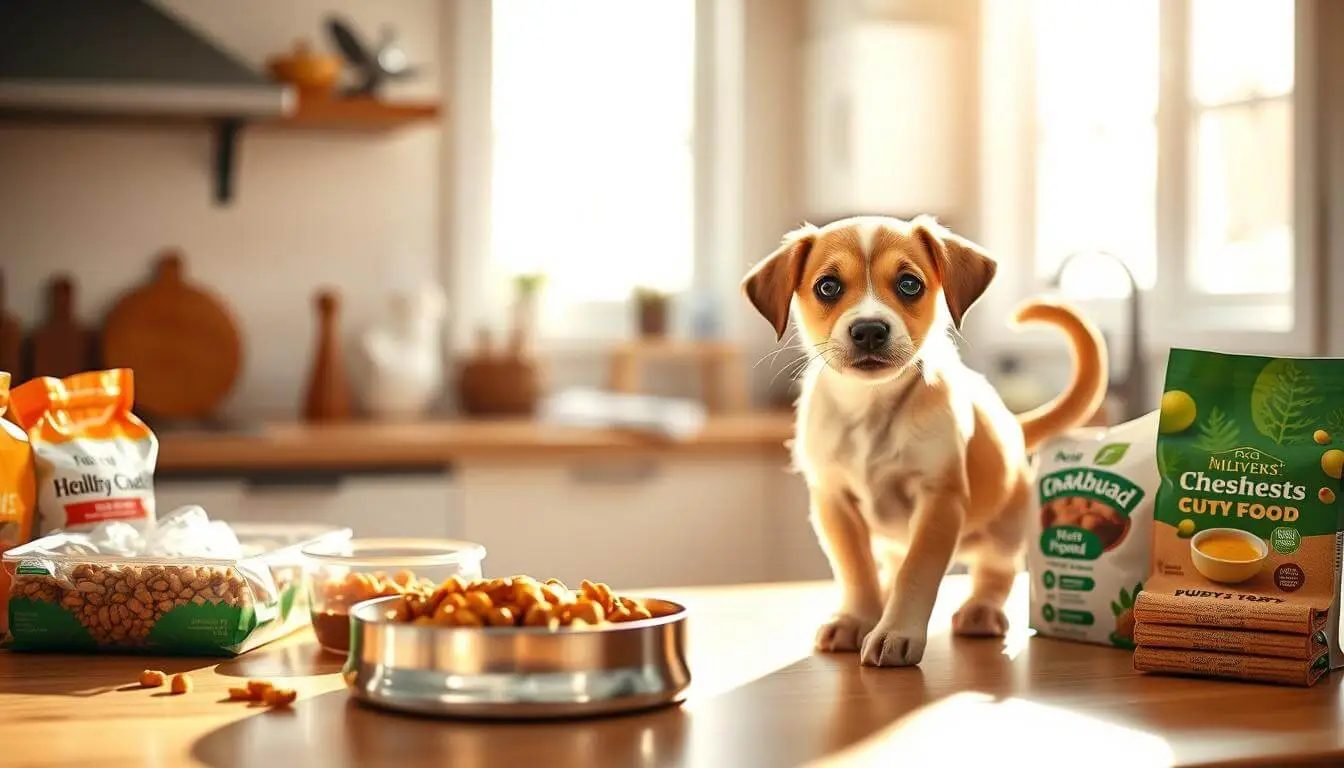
{"points": [[911, 458]]}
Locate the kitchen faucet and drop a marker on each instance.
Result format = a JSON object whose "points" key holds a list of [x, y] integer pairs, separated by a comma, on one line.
{"points": [[1130, 386]]}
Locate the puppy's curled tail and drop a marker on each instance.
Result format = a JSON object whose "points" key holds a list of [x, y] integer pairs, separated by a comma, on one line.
{"points": [[1085, 393]]}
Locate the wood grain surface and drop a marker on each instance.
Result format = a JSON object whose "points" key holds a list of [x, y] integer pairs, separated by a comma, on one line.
{"points": [[374, 444], [760, 697], [181, 341], [61, 345]]}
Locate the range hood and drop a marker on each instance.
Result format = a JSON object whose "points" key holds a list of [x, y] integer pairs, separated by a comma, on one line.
{"points": [[123, 58]]}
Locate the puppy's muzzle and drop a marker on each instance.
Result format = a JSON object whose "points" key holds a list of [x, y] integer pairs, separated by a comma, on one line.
{"points": [[870, 336]]}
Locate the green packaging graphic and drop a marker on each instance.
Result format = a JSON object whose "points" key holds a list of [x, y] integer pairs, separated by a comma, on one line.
{"points": [[1247, 519]]}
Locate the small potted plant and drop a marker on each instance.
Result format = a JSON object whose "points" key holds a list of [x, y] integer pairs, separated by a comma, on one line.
{"points": [[526, 289], [651, 310]]}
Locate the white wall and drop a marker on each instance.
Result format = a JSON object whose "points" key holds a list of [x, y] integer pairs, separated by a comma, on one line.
{"points": [[358, 212], [355, 212]]}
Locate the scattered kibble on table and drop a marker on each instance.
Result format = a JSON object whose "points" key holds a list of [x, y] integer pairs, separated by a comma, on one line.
{"points": [[259, 691], [279, 697], [181, 683], [152, 678]]}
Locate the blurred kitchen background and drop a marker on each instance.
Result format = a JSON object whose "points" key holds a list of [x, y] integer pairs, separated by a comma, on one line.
{"points": [[389, 292]]}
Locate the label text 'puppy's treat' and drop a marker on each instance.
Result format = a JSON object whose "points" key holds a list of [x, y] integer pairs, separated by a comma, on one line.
{"points": [[1247, 523], [95, 459]]}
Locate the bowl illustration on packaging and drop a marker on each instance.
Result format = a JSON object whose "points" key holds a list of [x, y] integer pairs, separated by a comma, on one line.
{"points": [[1228, 555]]}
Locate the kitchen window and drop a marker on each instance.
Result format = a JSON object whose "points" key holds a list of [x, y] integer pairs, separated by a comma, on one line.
{"points": [[1173, 134], [593, 177]]}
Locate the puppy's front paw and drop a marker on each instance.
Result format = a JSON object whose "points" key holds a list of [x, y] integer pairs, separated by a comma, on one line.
{"points": [[892, 647], [980, 620], [842, 633]]}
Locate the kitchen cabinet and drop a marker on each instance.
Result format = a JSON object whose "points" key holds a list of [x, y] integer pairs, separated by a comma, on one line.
{"points": [[639, 522], [220, 497], [419, 503], [797, 554], [884, 131]]}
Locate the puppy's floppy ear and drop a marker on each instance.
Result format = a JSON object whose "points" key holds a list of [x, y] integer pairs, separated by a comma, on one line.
{"points": [[771, 283], [964, 267]]}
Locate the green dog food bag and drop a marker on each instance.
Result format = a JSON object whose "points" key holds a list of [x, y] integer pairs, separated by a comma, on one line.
{"points": [[1246, 531]]}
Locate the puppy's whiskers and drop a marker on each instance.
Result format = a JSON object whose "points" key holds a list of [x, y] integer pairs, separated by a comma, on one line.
{"points": [[791, 367], [774, 353], [956, 337], [819, 352]]}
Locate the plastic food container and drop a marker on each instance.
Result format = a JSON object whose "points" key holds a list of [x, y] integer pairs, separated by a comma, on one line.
{"points": [[64, 598], [341, 574]]}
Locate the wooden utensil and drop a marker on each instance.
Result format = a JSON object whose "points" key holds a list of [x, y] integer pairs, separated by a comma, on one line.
{"points": [[328, 398], [61, 347], [11, 341], [181, 341]]}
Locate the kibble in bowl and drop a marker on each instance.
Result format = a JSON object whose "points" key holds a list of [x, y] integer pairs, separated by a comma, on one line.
{"points": [[342, 574], [520, 601]]}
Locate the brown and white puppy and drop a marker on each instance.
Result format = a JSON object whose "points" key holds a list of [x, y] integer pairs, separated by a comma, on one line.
{"points": [[911, 458]]}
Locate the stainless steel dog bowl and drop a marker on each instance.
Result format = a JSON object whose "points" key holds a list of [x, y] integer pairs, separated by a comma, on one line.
{"points": [[522, 672]]}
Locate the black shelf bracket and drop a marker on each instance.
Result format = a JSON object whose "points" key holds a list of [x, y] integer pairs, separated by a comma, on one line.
{"points": [[227, 131]]}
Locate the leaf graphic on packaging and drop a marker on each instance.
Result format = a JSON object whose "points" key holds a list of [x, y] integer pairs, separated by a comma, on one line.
{"points": [[1110, 454], [1168, 461], [1124, 598], [1279, 399], [1217, 433], [1335, 422], [1116, 610]]}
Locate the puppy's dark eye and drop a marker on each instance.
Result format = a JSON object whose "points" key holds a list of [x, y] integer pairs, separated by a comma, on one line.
{"points": [[909, 286], [828, 288]]}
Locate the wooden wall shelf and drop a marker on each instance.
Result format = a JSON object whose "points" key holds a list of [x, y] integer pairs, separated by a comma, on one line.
{"points": [[356, 115]]}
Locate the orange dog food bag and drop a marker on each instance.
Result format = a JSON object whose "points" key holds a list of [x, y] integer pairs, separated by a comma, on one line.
{"points": [[94, 459], [16, 479], [17, 492]]}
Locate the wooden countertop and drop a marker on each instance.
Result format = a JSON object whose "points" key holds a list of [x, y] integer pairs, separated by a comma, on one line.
{"points": [[373, 445], [759, 697]]}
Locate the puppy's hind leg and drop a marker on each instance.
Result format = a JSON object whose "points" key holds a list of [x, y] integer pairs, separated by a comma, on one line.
{"points": [[848, 545], [982, 614], [993, 573]]}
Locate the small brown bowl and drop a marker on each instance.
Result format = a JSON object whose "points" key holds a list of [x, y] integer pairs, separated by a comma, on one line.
{"points": [[314, 74]]}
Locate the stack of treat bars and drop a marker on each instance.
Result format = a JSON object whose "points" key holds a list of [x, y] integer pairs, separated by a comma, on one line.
{"points": [[1273, 643]]}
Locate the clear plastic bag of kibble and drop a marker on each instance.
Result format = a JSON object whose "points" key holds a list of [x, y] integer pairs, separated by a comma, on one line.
{"points": [[180, 587]]}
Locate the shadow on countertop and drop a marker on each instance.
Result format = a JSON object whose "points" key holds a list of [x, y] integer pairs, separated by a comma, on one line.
{"points": [[283, 660], [744, 726], [99, 674]]}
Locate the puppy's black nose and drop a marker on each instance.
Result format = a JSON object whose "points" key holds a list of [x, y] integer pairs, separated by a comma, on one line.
{"points": [[869, 335]]}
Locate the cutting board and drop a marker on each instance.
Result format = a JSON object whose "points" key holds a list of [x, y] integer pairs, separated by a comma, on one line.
{"points": [[180, 339], [61, 346], [11, 340]]}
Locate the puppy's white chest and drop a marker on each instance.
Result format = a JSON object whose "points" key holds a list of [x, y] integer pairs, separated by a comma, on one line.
{"points": [[873, 454], [884, 481]]}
